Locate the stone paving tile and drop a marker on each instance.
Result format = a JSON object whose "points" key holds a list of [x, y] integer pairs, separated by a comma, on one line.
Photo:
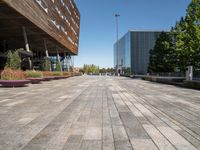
{"points": [[99, 113], [143, 144]]}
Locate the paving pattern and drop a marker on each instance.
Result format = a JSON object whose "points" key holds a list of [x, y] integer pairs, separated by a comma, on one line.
{"points": [[99, 113]]}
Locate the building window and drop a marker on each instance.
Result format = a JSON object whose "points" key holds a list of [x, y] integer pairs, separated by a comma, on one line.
{"points": [[63, 30], [76, 25], [76, 15], [67, 21], [73, 31], [70, 39], [42, 5], [57, 9], [71, 4], [63, 3], [68, 9], [54, 23]]}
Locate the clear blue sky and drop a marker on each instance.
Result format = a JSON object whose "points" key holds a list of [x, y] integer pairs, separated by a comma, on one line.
{"points": [[98, 30]]}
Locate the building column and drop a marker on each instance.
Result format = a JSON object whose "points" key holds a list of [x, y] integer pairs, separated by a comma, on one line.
{"points": [[27, 46], [65, 58], [68, 58], [47, 52], [72, 63], [58, 58]]}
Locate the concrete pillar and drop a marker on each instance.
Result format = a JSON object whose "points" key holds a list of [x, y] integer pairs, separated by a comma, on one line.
{"points": [[66, 61], [72, 62], [47, 52], [58, 58], [68, 58], [189, 73], [27, 46]]}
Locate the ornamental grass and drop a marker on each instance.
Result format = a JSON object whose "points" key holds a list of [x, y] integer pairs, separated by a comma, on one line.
{"points": [[66, 73], [47, 73], [33, 74], [10, 74], [57, 73]]}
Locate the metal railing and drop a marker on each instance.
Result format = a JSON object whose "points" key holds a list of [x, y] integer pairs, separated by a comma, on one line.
{"points": [[168, 74]]}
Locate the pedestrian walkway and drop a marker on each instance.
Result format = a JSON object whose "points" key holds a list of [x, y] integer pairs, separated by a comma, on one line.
{"points": [[99, 113]]}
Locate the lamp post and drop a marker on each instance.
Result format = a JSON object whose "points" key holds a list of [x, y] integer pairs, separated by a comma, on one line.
{"points": [[117, 31]]}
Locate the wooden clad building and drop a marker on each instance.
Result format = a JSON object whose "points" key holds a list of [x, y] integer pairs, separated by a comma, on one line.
{"points": [[40, 25]]}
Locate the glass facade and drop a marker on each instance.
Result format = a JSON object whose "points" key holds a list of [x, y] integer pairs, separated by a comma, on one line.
{"points": [[131, 52], [122, 54]]}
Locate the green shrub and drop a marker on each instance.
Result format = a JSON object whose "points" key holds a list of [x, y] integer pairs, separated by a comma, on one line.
{"points": [[56, 73], [33, 74], [13, 60], [47, 64], [10, 74], [58, 66]]}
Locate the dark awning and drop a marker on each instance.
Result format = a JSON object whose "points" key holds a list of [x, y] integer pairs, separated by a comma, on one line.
{"points": [[25, 53]]}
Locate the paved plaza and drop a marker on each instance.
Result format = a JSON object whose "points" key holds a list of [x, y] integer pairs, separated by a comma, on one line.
{"points": [[99, 113]]}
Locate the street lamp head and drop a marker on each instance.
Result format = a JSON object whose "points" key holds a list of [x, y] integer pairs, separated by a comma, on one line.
{"points": [[117, 15]]}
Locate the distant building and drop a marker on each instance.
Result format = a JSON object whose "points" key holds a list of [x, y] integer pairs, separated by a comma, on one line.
{"points": [[131, 52], [43, 27], [76, 69]]}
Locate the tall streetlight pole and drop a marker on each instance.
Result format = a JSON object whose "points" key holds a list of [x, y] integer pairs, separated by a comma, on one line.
{"points": [[117, 31]]}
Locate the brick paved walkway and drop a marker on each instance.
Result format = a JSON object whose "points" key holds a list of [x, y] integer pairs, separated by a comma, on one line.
{"points": [[95, 113]]}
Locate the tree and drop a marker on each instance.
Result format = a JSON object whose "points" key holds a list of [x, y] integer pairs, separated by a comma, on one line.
{"points": [[181, 47], [188, 37], [90, 69], [103, 70], [13, 60], [162, 56]]}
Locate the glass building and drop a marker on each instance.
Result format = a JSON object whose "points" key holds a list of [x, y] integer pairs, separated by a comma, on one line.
{"points": [[131, 52]]}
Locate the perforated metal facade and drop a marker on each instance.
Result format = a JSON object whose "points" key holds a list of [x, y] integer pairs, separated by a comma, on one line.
{"points": [[131, 52]]}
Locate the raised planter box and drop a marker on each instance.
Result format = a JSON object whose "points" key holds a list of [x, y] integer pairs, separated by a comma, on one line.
{"points": [[48, 78], [192, 84], [167, 80], [65, 77], [54, 78], [35, 80], [14, 83], [58, 77]]}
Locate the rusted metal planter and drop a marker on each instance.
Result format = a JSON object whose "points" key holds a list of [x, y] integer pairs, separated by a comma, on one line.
{"points": [[65, 77], [58, 77], [35, 80], [48, 78], [14, 83]]}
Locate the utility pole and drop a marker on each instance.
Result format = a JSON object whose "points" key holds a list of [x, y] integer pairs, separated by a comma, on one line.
{"points": [[117, 31]]}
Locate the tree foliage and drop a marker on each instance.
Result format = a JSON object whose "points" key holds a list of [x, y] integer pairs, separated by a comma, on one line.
{"points": [[187, 35], [162, 58], [90, 69], [58, 66], [183, 47], [47, 64], [13, 60], [95, 69]]}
